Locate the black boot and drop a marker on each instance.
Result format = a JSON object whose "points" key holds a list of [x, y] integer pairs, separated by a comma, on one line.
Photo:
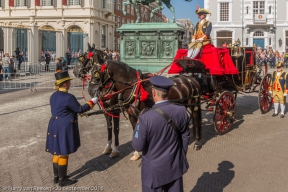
{"points": [[56, 176], [63, 179]]}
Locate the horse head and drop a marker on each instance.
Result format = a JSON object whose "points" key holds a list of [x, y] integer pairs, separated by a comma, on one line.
{"points": [[101, 82], [81, 69]]}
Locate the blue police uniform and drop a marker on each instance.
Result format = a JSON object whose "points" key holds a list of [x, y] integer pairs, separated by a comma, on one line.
{"points": [[63, 133], [163, 149]]}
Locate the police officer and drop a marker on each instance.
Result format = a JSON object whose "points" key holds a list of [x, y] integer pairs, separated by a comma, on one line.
{"points": [[279, 88], [63, 133], [201, 33], [163, 147]]}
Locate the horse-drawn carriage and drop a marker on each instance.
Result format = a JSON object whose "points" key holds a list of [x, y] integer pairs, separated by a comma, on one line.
{"points": [[214, 77], [222, 72]]}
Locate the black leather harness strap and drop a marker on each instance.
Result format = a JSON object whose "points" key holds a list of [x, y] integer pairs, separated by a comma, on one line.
{"points": [[168, 119]]}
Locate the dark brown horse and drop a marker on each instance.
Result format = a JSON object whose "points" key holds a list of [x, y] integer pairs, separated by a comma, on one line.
{"points": [[123, 78], [80, 71]]}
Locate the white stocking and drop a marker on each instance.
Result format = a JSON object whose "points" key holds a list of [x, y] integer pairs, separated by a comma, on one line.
{"points": [[276, 105], [193, 52], [282, 106]]}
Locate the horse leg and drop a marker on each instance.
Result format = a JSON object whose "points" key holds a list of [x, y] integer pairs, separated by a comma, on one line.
{"points": [[169, 6], [133, 122], [108, 148], [124, 6], [115, 151], [137, 13], [160, 7], [197, 119]]}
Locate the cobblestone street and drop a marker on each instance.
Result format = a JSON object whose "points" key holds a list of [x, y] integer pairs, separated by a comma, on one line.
{"points": [[251, 157]]}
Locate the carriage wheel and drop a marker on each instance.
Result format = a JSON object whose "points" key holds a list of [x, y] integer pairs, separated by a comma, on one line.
{"points": [[264, 98], [224, 112]]}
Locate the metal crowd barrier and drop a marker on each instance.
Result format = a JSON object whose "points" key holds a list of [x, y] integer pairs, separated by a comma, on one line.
{"points": [[35, 76]]}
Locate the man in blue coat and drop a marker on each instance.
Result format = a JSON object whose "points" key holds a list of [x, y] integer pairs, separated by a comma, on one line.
{"points": [[63, 133], [163, 147]]}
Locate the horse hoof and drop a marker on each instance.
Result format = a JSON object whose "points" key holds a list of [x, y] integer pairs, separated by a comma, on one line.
{"points": [[114, 154], [107, 151], [135, 157], [197, 147]]}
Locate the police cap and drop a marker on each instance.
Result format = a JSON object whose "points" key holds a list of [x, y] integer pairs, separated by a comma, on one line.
{"points": [[161, 83]]}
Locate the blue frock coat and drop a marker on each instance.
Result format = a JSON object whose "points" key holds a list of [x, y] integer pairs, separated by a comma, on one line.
{"points": [[163, 150], [63, 134]]}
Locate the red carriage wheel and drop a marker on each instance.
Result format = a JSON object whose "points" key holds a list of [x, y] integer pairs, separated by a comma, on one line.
{"points": [[224, 112], [264, 98]]}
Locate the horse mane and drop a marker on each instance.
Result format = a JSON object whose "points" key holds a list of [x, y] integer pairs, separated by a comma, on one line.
{"points": [[121, 65]]}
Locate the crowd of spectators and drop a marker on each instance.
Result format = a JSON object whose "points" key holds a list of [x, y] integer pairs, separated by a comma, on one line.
{"points": [[270, 56], [9, 64]]}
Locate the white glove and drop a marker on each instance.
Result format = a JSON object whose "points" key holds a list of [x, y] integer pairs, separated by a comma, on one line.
{"points": [[200, 39], [285, 94], [94, 100], [270, 92], [193, 40]]}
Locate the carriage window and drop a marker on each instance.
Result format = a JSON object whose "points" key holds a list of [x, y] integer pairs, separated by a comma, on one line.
{"points": [[103, 36], [224, 37], [258, 7], [224, 11], [258, 33]]}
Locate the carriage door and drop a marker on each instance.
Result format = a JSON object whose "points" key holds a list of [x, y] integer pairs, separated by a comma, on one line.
{"points": [[258, 39]]}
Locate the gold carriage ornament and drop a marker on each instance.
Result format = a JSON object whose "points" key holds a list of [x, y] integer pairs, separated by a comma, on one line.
{"points": [[236, 49]]}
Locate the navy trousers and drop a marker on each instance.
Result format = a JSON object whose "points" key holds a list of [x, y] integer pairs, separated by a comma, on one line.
{"points": [[174, 186]]}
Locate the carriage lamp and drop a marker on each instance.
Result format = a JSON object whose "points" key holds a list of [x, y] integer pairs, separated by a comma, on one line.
{"points": [[280, 42]]}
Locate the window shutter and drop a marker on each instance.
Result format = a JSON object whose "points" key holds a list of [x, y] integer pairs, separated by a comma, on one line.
{"points": [[11, 3], [37, 2], [64, 2]]}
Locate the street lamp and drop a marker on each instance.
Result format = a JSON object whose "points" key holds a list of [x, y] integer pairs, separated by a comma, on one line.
{"points": [[280, 42]]}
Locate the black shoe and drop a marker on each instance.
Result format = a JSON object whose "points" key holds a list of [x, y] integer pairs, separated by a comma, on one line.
{"points": [[63, 178], [66, 181], [274, 115], [282, 116]]}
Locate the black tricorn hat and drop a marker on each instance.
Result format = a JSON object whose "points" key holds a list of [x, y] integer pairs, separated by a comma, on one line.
{"points": [[279, 64], [62, 77]]}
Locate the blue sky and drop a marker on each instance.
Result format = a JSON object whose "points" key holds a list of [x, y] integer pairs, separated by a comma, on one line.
{"points": [[184, 9]]}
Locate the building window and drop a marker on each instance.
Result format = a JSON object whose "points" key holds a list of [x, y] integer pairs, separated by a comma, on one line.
{"points": [[270, 41], [123, 20], [128, 20], [270, 9], [247, 10], [115, 4], [224, 11], [0, 3], [74, 2], [224, 37], [118, 6], [132, 10], [118, 22], [128, 9], [103, 36], [104, 4], [258, 34], [21, 3], [286, 41], [258, 7], [247, 41], [46, 2]]}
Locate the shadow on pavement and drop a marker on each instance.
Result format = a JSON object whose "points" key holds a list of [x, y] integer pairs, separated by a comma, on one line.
{"points": [[215, 181], [102, 162]]}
